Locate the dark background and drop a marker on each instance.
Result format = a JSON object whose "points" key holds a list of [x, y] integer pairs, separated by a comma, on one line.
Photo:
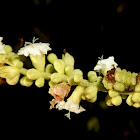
{"points": [[87, 30]]}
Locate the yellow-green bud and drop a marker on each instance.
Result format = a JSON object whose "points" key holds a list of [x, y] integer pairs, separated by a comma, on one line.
{"points": [[113, 93], [49, 68], [52, 57], [123, 76], [77, 71], [7, 48], [136, 97], [33, 74], [14, 80], [57, 77], [108, 100], [52, 84], [17, 63], [59, 66], [133, 78], [129, 100], [68, 59], [8, 72], [137, 105], [77, 94], [25, 81], [118, 75], [116, 100], [12, 56], [137, 88], [107, 84], [92, 76], [40, 82], [68, 69], [128, 79], [78, 78], [38, 61], [119, 86], [91, 92], [92, 100]]}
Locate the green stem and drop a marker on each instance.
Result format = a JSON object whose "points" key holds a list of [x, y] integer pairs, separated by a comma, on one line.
{"points": [[23, 71], [46, 75], [126, 93]]}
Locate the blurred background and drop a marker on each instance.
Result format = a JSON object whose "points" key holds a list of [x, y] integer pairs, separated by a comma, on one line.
{"points": [[87, 30]]}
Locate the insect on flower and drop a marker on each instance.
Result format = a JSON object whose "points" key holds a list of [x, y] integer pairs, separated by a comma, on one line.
{"points": [[59, 92]]}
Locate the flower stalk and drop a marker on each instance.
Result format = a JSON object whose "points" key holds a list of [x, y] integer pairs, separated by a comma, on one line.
{"points": [[61, 75]]}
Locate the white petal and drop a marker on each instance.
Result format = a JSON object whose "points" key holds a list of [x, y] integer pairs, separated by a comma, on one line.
{"points": [[105, 64], [71, 106], [34, 49]]}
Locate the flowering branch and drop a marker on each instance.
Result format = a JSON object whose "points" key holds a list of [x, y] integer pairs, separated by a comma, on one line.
{"points": [[61, 76]]}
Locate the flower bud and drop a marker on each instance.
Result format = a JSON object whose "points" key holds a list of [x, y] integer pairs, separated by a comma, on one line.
{"points": [[7, 49], [14, 80], [137, 88], [8, 72], [12, 56], [68, 59], [77, 71], [92, 100], [33, 74], [108, 100], [92, 76], [40, 82], [119, 86], [77, 94], [118, 75], [52, 84], [107, 84], [68, 70], [113, 93], [129, 100], [52, 57], [78, 78], [137, 105], [116, 100], [59, 66], [49, 68], [17, 63], [91, 92], [25, 81], [136, 97], [38, 61], [57, 77]]}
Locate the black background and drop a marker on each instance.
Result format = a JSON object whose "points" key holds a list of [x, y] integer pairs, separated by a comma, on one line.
{"points": [[87, 30]]}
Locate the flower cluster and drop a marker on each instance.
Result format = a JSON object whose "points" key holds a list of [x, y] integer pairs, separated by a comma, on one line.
{"points": [[61, 76]]}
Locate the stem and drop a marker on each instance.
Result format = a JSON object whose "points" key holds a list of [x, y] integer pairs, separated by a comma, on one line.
{"points": [[23, 71], [126, 93], [46, 75]]}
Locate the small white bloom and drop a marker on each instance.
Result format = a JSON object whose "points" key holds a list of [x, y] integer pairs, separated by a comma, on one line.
{"points": [[71, 106], [2, 51], [104, 64], [34, 48]]}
